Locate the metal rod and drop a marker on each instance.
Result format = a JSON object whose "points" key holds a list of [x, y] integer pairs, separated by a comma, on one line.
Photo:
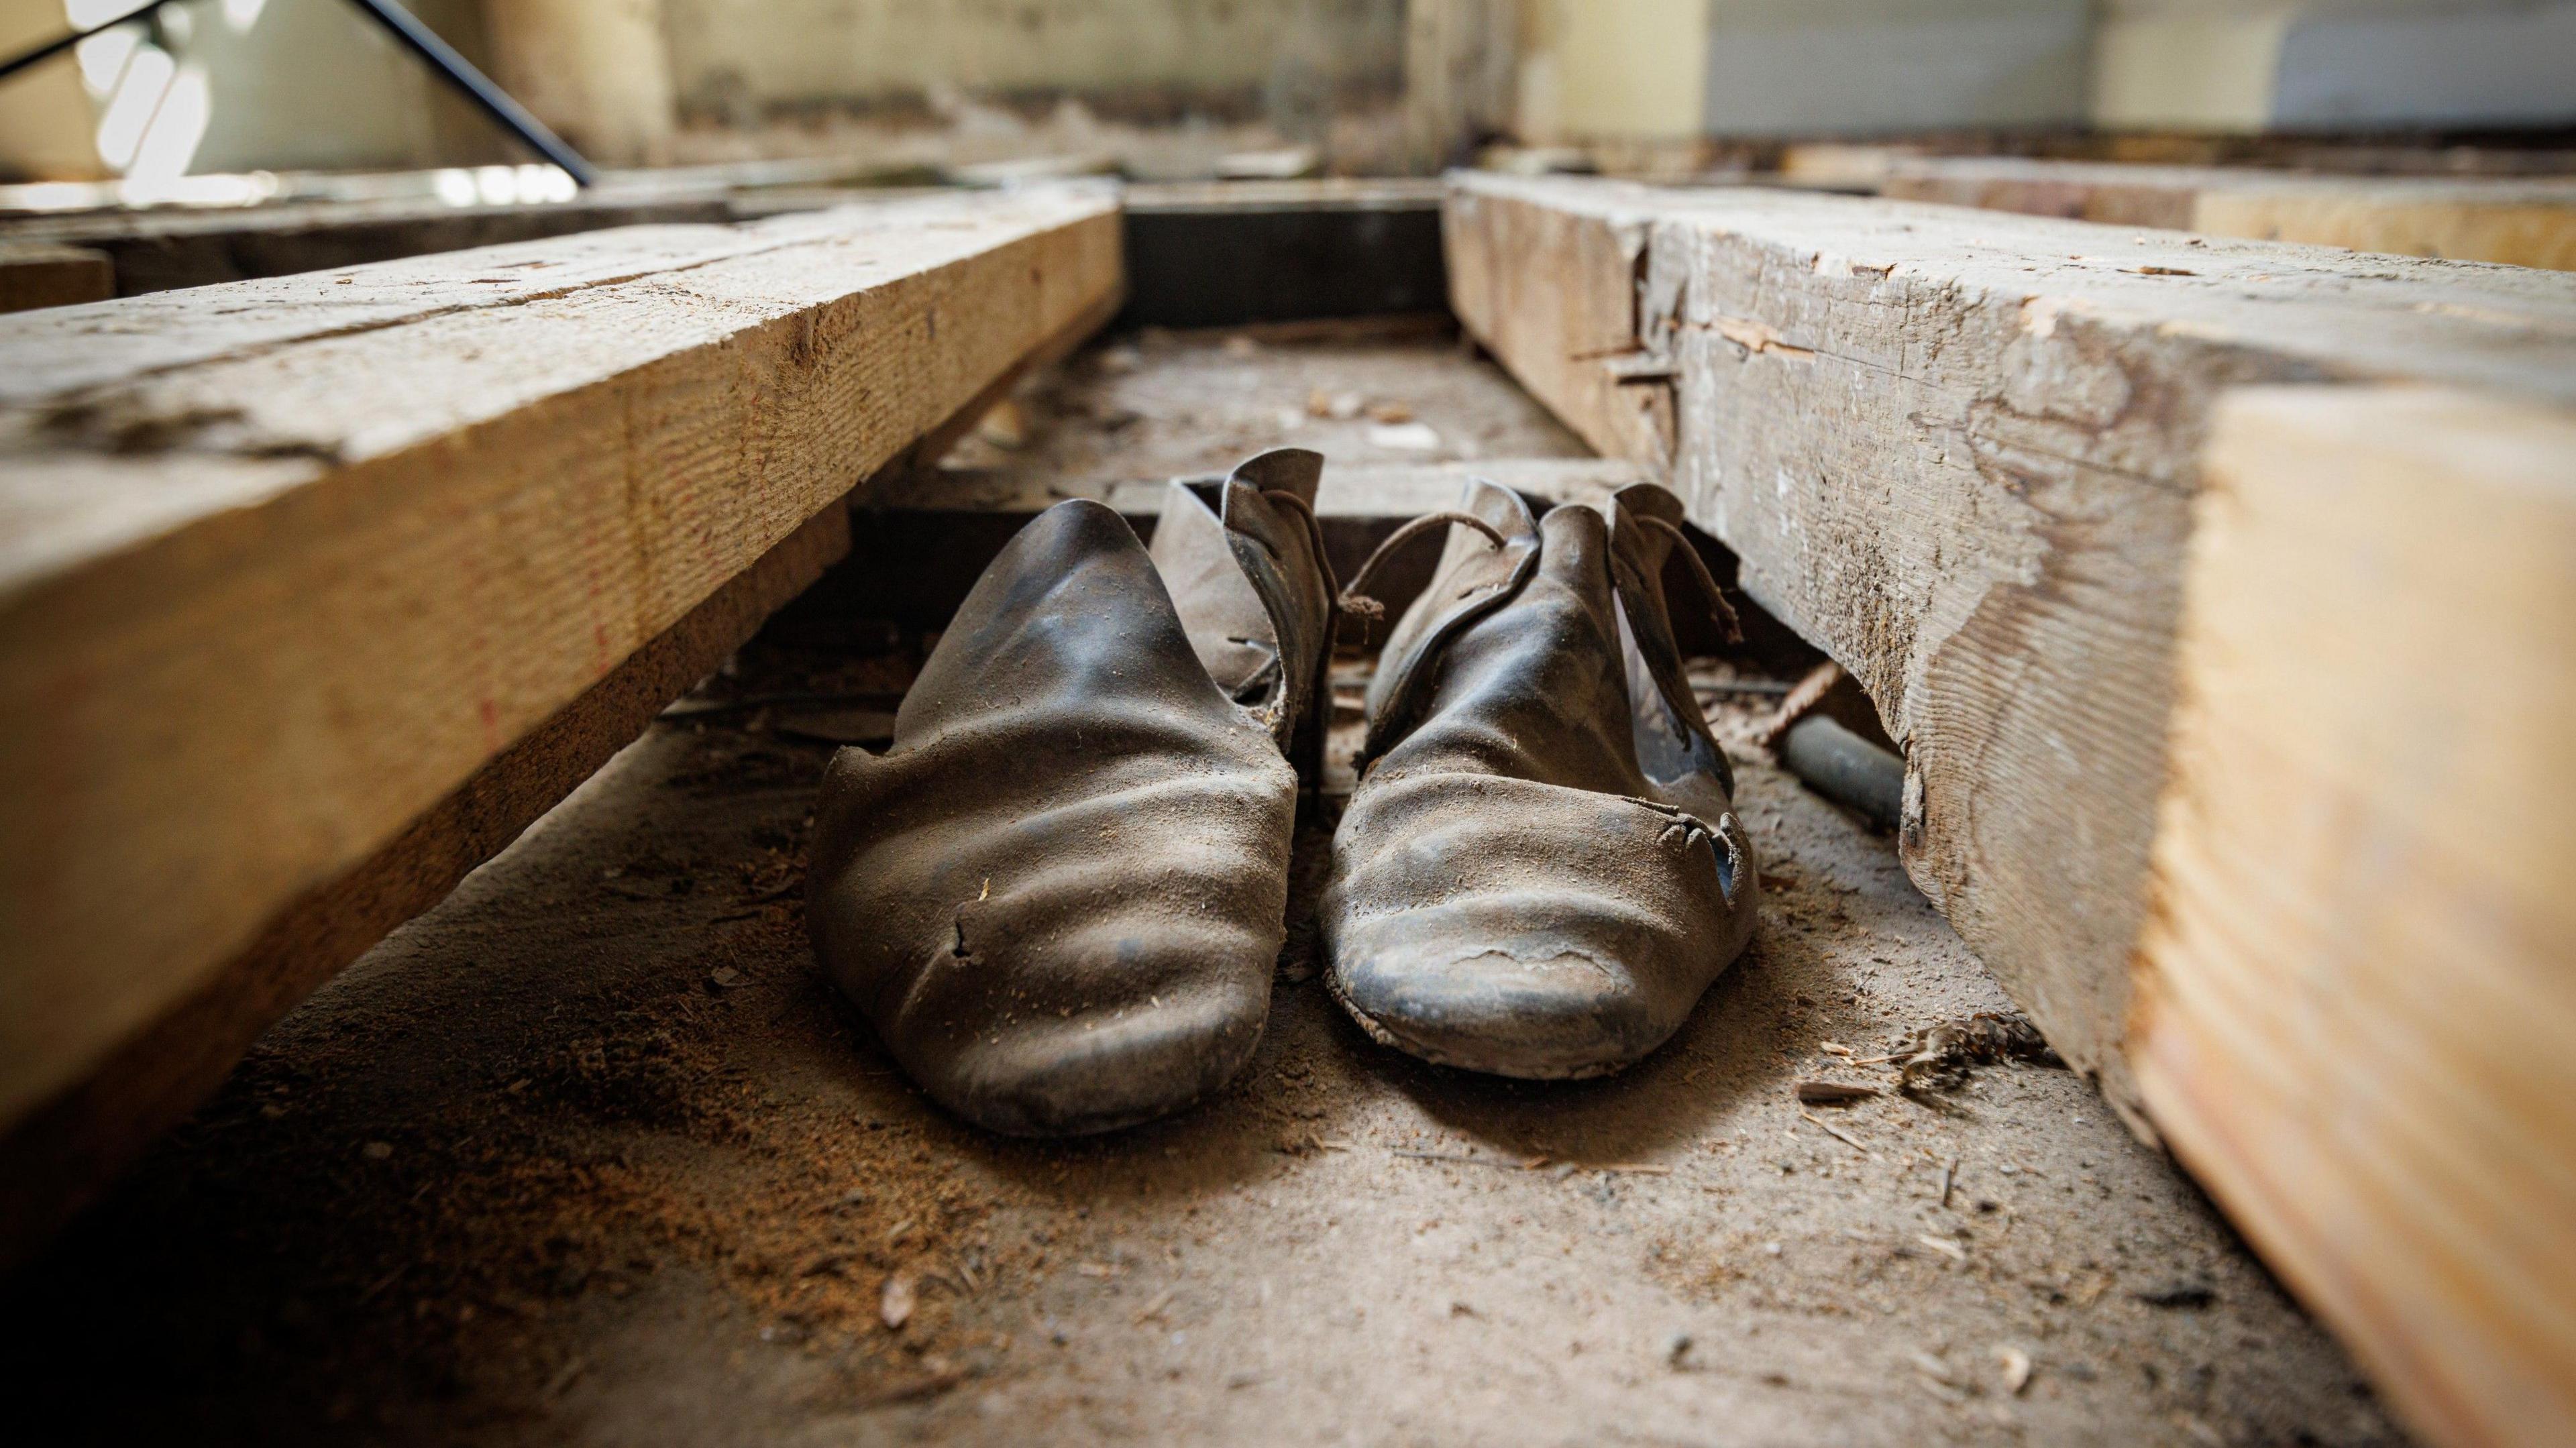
{"points": [[1847, 769], [478, 88], [59, 44]]}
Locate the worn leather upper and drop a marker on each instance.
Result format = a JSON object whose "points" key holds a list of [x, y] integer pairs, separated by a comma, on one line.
{"points": [[1059, 895], [1540, 871]]}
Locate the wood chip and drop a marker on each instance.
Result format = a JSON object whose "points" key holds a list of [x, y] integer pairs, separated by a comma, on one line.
{"points": [[1834, 1093], [895, 1302], [1949, 1181], [2016, 1369], [1459, 1158], [1944, 1246], [1836, 1132], [1155, 1308]]}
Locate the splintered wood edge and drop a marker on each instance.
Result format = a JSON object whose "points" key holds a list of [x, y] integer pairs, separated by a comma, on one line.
{"points": [[70, 1114]]}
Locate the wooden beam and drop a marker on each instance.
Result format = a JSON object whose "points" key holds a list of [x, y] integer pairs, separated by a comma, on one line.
{"points": [[161, 250], [1957, 450], [2521, 221], [45, 274], [1964, 453], [2355, 1019], [290, 569]]}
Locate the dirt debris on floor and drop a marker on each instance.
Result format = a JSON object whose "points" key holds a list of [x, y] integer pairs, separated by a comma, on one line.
{"points": [[1163, 404], [591, 1154]]}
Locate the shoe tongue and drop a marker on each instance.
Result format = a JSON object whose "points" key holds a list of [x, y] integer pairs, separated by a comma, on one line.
{"points": [[1537, 688], [1649, 548], [1228, 624]]}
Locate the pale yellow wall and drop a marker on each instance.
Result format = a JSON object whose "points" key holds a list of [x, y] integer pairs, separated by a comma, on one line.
{"points": [[597, 71], [1623, 68], [45, 117], [287, 85], [2195, 68]]}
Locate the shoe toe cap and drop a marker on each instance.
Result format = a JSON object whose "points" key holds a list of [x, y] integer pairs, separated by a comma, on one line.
{"points": [[1103, 1069], [1528, 1007], [1529, 930]]}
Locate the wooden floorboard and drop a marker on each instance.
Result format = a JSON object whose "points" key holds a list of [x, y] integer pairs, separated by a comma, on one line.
{"points": [[289, 564]]}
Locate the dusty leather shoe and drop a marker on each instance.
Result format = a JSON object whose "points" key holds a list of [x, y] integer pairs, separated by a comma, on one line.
{"points": [[1058, 896], [1540, 870]]}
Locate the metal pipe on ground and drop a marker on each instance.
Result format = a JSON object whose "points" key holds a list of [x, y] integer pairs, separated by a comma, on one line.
{"points": [[1845, 768]]}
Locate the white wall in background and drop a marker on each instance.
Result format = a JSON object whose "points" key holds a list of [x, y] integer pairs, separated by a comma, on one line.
{"points": [[1809, 67], [2229, 65]]}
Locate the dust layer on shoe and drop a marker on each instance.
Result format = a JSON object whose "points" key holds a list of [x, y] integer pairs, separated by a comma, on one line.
{"points": [[1059, 895], [1540, 872]]}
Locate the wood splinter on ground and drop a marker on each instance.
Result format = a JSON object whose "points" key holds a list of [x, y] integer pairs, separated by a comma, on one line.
{"points": [[1836, 1132], [896, 1301]]}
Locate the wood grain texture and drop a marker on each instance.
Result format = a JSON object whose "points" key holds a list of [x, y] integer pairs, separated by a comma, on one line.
{"points": [[1553, 292], [1957, 450], [2520, 221], [48, 274], [2355, 1019], [285, 564]]}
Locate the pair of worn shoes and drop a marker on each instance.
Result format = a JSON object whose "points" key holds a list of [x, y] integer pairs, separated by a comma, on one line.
{"points": [[1060, 894]]}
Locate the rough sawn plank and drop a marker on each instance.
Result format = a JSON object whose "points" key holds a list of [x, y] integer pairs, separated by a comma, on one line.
{"points": [[1957, 450], [283, 565]]}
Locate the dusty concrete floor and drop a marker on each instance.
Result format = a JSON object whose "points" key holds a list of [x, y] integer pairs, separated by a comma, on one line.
{"points": [[589, 1154]]}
